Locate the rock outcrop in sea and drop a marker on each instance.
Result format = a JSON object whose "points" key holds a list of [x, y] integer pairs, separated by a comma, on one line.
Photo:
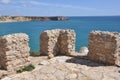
{"points": [[83, 50], [30, 18]]}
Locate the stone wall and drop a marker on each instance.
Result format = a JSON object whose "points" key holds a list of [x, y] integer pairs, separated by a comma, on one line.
{"points": [[104, 47], [58, 41], [14, 51], [67, 42]]}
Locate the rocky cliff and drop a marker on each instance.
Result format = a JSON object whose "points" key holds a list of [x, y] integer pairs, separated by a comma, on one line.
{"points": [[29, 18]]}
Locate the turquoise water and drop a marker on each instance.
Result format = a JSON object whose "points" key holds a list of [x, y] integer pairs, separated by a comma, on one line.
{"points": [[82, 26]]}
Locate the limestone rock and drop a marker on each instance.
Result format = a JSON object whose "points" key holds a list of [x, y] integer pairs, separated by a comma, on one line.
{"points": [[71, 68], [83, 50], [45, 62], [71, 76], [7, 78], [104, 47]]}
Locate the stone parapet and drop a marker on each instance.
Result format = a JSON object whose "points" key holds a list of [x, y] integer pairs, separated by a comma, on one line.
{"points": [[57, 41], [14, 51], [104, 47]]}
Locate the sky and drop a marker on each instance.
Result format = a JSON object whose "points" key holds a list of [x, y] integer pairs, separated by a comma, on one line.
{"points": [[60, 7]]}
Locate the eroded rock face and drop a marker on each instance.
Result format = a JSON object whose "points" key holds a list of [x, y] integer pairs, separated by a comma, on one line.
{"points": [[53, 42], [14, 51], [104, 47]]}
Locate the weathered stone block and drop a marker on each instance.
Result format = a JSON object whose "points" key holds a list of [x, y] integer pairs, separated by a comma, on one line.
{"points": [[67, 42], [57, 41], [104, 47], [14, 51]]}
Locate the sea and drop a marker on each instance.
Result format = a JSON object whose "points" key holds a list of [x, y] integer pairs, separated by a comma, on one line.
{"points": [[81, 25]]}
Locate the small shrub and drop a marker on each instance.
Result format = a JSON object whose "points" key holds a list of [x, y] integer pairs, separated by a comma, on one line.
{"points": [[26, 68], [29, 68], [19, 71], [49, 57]]}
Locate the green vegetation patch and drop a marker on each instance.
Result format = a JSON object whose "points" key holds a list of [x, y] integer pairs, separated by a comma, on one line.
{"points": [[26, 68]]}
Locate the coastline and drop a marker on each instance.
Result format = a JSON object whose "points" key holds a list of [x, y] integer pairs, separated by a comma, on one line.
{"points": [[5, 19], [13, 21]]}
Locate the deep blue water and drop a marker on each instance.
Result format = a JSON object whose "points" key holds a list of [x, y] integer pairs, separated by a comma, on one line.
{"points": [[82, 26]]}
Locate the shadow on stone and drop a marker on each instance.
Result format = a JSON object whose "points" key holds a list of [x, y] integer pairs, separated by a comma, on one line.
{"points": [[1, 68], [119, 71], [84, 60], [35, 53]]}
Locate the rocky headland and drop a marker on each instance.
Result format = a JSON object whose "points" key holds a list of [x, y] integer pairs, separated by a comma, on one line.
{"points": [[30, 18]]}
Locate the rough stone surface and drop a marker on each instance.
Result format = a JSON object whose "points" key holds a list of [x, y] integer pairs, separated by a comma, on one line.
{"points": [[67, 68], [3, 73], [54, 42], [104, 47], [14, 51]]}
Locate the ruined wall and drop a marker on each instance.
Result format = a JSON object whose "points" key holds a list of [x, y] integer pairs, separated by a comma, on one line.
{"points": [[49, 42], [104, 47], [14, 51], [67, 42], [57, 41]]}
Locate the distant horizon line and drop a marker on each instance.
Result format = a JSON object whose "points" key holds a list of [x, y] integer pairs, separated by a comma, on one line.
{"points": [[64, 15]]}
